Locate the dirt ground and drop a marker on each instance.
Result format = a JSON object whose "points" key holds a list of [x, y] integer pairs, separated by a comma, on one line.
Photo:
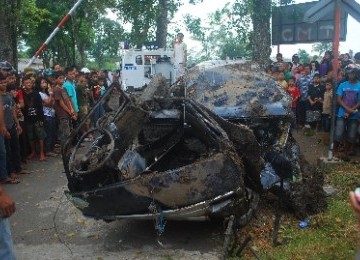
{"points": [[314, 149]]}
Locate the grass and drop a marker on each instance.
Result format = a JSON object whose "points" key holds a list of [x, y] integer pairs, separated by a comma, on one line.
{"points": [[332, 234]]}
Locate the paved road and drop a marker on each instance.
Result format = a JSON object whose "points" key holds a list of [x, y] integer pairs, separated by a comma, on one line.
{"points": [[47, 226]]}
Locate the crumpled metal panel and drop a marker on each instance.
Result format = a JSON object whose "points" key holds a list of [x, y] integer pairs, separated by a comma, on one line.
{"points": [[237, 89], [192, 183]]}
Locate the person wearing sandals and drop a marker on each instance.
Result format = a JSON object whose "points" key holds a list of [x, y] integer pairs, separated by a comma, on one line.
{"points": [[13, 158]]}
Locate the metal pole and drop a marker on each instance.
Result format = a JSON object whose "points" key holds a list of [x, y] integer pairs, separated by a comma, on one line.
{"points": [[51, 36], [335, 74]]}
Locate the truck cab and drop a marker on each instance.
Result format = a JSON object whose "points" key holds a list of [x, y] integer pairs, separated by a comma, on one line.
{"points": [[139, 66]]}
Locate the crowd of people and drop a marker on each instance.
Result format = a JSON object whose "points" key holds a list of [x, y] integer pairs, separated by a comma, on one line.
{"points": [[38, 103], [311, 88]]}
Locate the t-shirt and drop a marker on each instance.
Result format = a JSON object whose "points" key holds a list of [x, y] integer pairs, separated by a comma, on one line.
{"points": [[8, 106], [96, 92], [303, 84], [324, 68], [283, 83], [179, 53], [287, 75], [33, 108], [350, 94], [82, 94], [327, 104], [48, 111], [71, 90], [316, 92], [295, 94], [60, 94], [293, 69]]}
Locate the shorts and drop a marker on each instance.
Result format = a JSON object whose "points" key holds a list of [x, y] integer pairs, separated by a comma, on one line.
{"points": [[35, 131], [64, 130], [326, 122], [346, 128], [83, 111]]}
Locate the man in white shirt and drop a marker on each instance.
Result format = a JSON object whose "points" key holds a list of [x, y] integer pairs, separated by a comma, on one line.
{"points": [[180, 56]]}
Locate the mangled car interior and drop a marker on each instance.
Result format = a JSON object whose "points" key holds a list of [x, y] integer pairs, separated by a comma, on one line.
{"points": [[207, 146]]}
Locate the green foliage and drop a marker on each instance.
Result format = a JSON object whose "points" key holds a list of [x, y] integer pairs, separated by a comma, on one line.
{"points": [[304, 56], [40, 17], [322, 47], [225, 35], [106, 40], [108, 64]]}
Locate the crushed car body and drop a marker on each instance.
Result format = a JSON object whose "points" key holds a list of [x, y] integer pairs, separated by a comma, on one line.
{"points": [[206, 147]]}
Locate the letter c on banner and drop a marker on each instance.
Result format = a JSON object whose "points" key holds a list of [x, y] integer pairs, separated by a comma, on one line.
{"points": [[287, 35]]}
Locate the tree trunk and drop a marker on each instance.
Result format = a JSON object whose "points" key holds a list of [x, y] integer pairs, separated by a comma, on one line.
{"points": [[162, 22], [260, 37], [8, 30]]}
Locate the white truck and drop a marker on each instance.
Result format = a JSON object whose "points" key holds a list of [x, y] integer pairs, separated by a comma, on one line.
{"points": [[139, 66]]}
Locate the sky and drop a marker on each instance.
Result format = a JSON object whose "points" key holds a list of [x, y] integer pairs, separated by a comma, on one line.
{"points": [[203, 9]]}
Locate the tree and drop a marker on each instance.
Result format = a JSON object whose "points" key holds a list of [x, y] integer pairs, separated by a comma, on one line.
{"points": [[106, 40], [225, 35], [248, 25], [40, 17], [9, 13], [322, 47], [260, 37], [304, 57], [149, 19]]}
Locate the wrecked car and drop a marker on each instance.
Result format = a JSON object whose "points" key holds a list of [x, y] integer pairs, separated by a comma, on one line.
{"points": [[208, 146]]}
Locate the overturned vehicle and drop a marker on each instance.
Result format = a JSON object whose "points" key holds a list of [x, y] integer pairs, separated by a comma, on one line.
{"points": [[208, 146]]}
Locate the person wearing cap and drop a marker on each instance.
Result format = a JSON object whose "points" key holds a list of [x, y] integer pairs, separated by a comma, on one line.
{"points": [[6, 66], [50, 77], [348, 99], [180, 55], [85, 70]]}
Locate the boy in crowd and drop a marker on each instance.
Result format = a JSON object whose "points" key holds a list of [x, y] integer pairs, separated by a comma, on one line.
{"points": [[315, 101], [281, 80], [63, 108], [303, 84], [327, 111], [34, 117], [295, 94], [84, 96], [70, 87]]}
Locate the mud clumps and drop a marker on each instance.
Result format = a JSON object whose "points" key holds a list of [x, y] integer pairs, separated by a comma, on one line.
{"points": [[308, 196]]}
